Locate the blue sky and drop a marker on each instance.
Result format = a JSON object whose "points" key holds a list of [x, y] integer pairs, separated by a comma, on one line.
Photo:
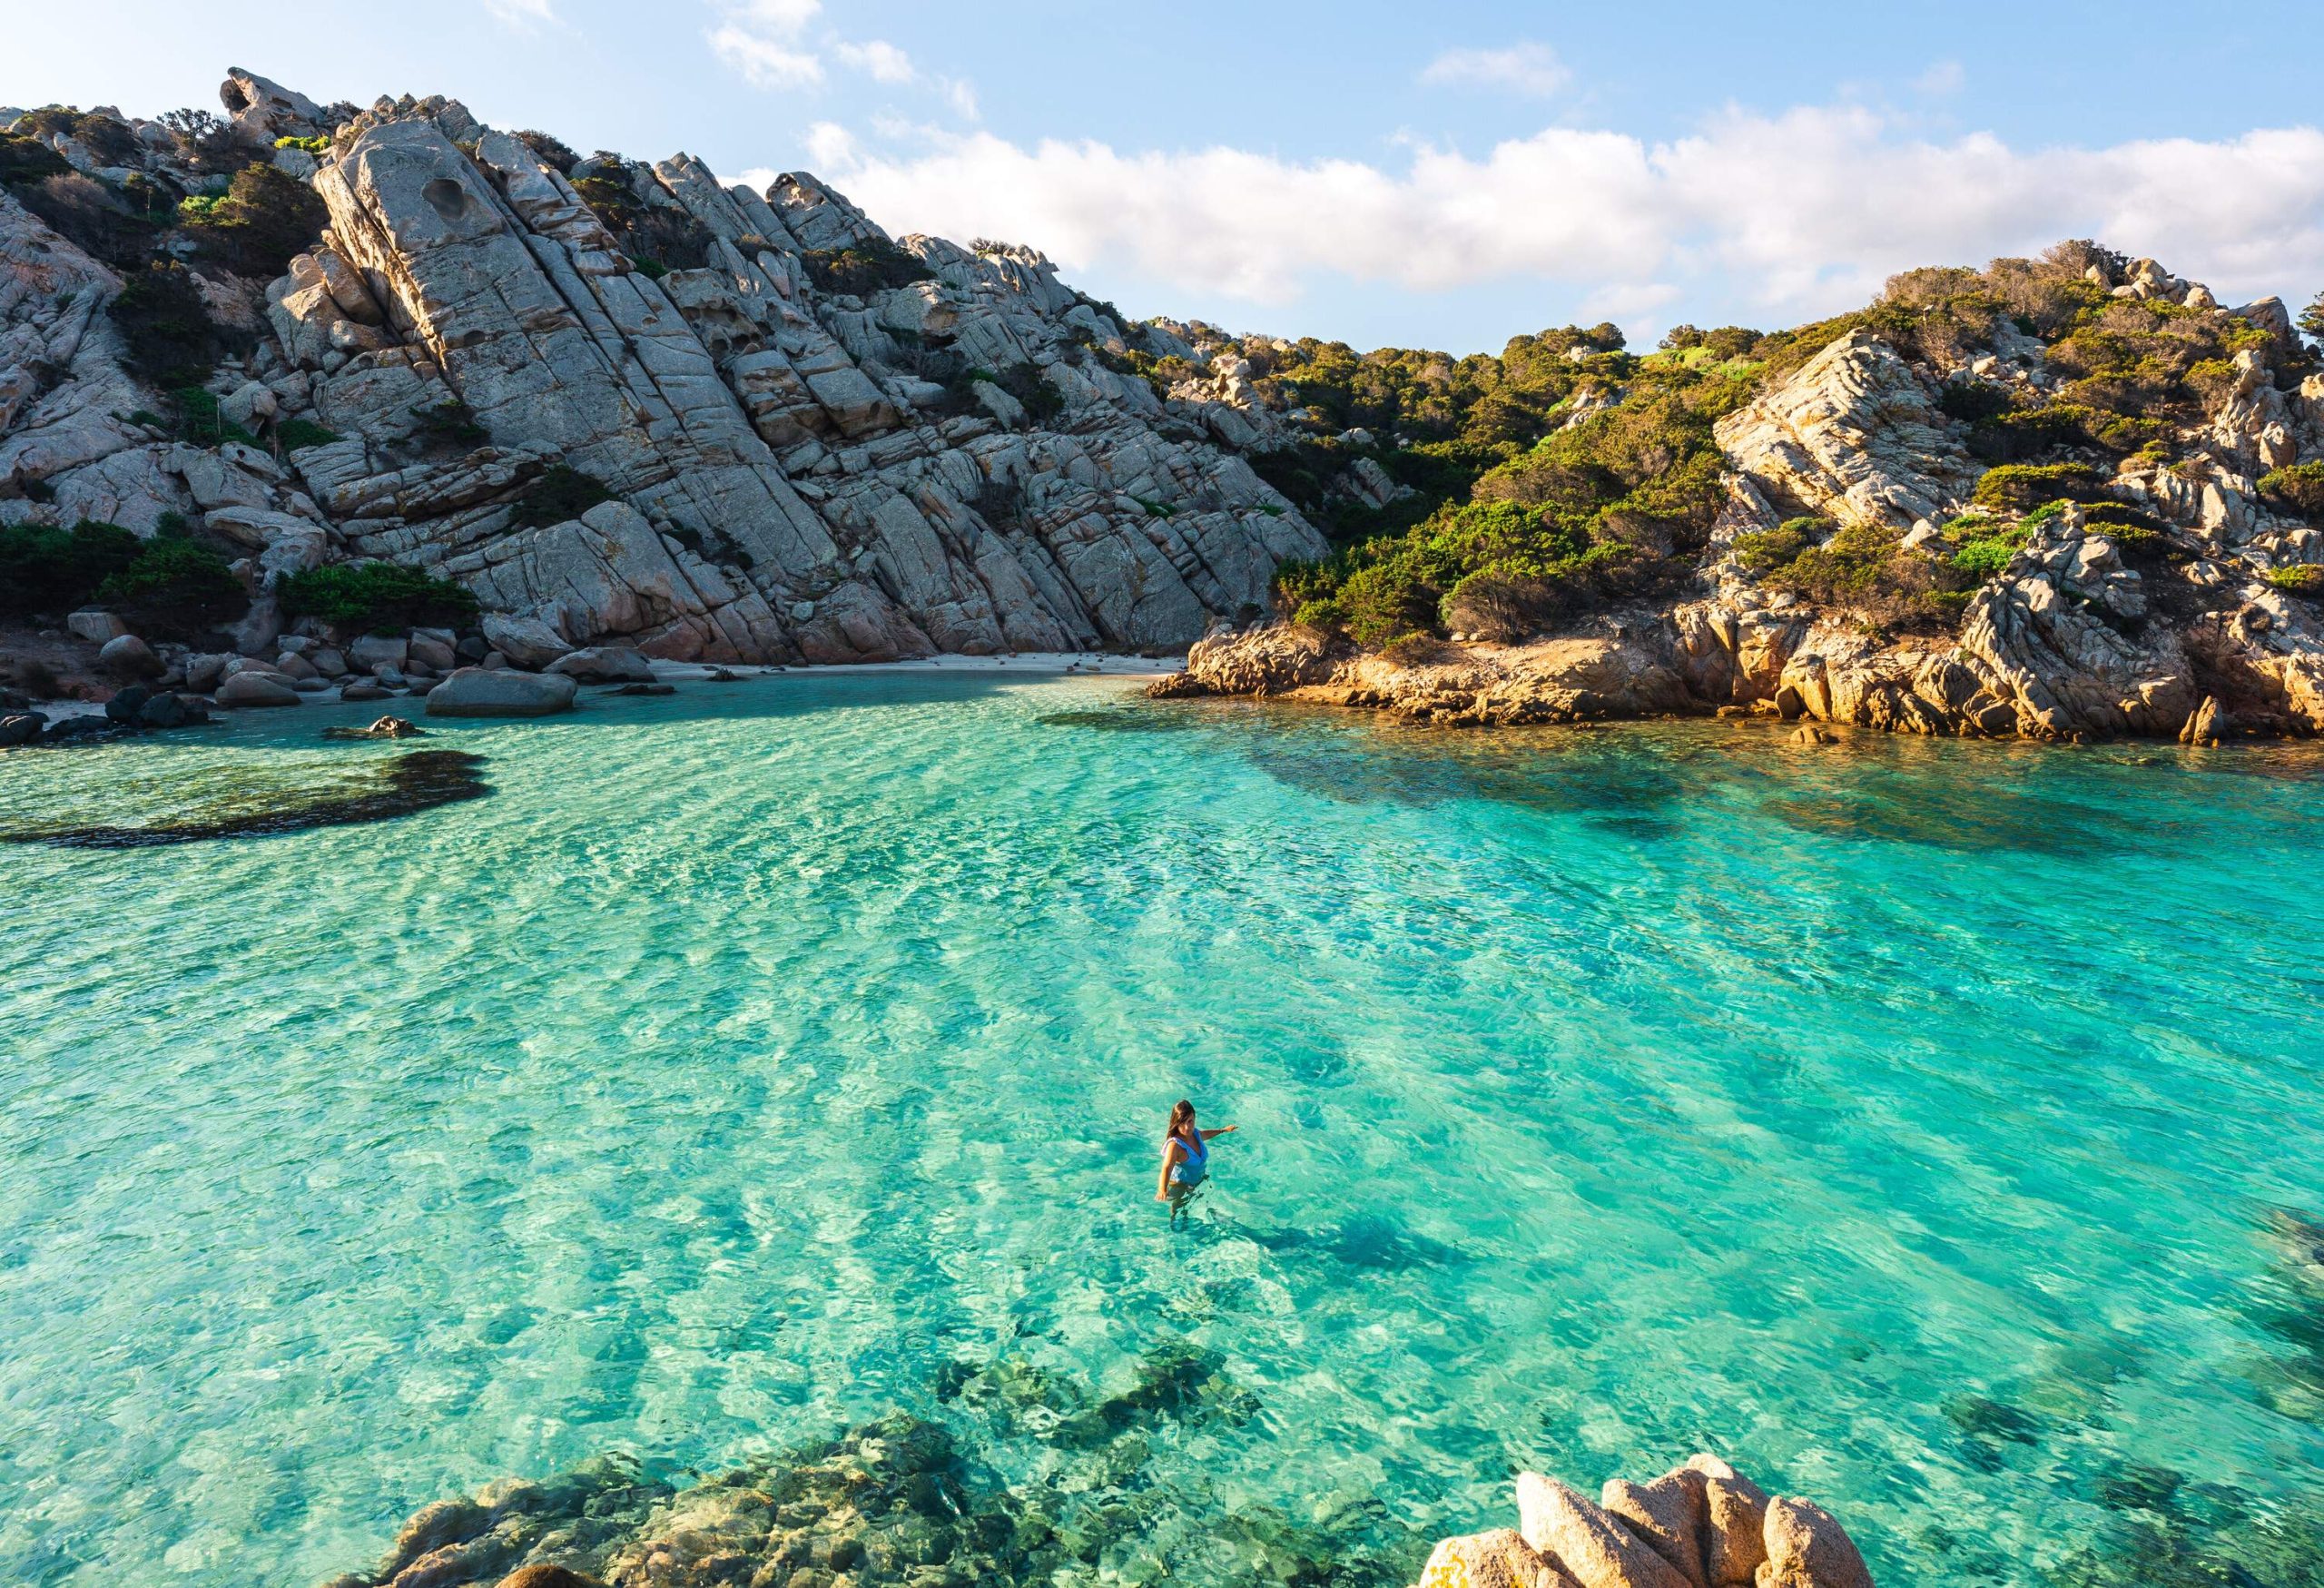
{"points": [[1445, 175]]}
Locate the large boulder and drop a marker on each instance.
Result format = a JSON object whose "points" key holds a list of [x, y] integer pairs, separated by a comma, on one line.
{"points": [[527, 642], [605, 664], [94, 625], [255, 688], [1734, 1513], [501, 691], [1808, 1548], [1600, 1552], [127, 656], [1668, 1515]]}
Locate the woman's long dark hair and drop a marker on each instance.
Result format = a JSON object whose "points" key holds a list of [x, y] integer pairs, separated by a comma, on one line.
{"points": [[1182, 1114]]}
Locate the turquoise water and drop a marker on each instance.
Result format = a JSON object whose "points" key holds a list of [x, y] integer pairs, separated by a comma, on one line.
{"points": [[1904, 1120]]}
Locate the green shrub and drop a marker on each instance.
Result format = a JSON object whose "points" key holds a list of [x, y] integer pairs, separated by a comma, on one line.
{"points": [[47, 571], [560, 494], [1763, 551], [174, 588], [867, 267], [264, 218], [375, 596], [2305, 578], [1325, 614], [2298, 487], [1986, 557], [550, 150], [296, 433], [2021, 485], [26, 161], [199, 419], [652, 270], [1043, 400], [165, 326], [315, 145]]}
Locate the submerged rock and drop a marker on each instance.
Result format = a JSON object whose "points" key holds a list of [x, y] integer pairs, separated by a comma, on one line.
{"points": [[385, 727]]}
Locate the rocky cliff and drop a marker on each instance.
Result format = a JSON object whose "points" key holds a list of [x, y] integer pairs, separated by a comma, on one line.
{"points": [[1946, 537], [616, 402]]}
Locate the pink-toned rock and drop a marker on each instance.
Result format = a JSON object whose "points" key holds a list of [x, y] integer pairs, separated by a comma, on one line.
{"points": [[1597, 1549], [1808, 1548], [1735, 1514], [1499, 1559], [1670, 1514]]}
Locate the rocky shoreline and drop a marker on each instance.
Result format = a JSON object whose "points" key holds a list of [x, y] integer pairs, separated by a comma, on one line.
{"points": [[898, 1502]]}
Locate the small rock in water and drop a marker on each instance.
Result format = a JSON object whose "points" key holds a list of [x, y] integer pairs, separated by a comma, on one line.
{"points": [[643, 689], [385, 727], [1809, 734], [127, 703], [21, 728], [364, 691]]}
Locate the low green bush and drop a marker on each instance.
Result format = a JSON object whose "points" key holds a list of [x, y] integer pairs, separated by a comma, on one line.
{"points": [[870, 266], [174, 588], [2306, 579], [2020, 486], [1986, 550], [561, 493], [1763, 551], [315, 145], [375, 597], [26, 161], [49, 571], [199, 421], [296, 433], [168, 335], [263, 218], [2298, 487]]}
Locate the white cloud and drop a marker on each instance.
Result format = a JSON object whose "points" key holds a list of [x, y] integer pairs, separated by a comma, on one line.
{"points": [[1942, 80], [1525, 68], [762, 40], [776, 43], [1798, 214], [878, 59], [520, 13], [763, 62]]}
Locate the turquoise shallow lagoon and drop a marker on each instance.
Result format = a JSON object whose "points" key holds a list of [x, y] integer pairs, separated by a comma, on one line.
{"points": [[1906, 1120]]}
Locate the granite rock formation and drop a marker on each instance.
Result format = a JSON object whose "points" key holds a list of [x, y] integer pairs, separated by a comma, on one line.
{"points": [[801, 439]]}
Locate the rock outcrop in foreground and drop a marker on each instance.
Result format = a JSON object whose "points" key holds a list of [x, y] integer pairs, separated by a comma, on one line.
{"points": [[895, 1502], [626, 402]]}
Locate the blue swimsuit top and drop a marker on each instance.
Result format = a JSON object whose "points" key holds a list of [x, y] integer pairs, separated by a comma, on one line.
{"points": [[1195, 1164]]}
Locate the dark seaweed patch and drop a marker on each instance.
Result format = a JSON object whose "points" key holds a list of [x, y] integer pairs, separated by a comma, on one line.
{"points": [[420, 781], [1124, 720]]}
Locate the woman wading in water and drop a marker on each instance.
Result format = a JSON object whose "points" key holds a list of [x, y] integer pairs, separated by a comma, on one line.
{"points": [[1186, 1158]]}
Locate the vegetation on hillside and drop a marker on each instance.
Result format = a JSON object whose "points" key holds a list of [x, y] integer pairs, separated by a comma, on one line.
{"points": [[1568, 472], [381, 596]]}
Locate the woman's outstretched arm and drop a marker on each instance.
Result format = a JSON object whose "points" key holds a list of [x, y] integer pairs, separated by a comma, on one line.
{"points": [[1222, 1131]]}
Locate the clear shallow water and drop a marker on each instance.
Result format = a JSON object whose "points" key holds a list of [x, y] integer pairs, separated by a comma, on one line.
{"points": [[1902, 1120]]}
